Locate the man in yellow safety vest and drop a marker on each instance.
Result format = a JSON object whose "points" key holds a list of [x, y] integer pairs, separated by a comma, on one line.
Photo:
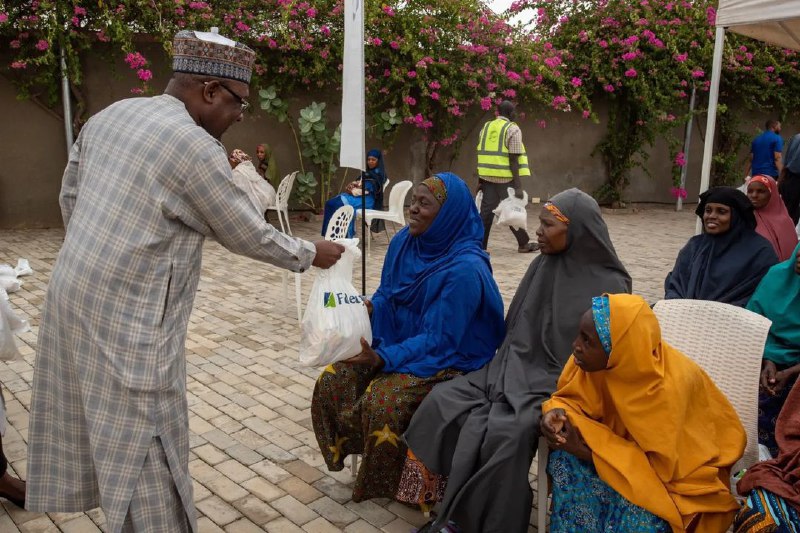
{"points": [[502, 163]]}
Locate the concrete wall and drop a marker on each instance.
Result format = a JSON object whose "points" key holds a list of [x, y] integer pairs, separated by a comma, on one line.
{"points": [[35, 153]]}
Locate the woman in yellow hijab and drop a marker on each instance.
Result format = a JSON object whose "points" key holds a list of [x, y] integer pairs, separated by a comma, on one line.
{"points": [[643, 440]]}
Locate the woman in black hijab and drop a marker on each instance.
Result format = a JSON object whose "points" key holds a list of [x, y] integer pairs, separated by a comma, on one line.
{"points": [[726, 262], [480, 429]]}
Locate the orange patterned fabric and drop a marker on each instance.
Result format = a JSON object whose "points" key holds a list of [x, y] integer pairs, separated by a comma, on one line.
{"points": [[556, 212]]}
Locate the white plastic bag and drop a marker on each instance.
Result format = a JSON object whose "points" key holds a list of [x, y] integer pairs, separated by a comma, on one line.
{"points": [[8, 279], [797, 230], [336, 317], [511, 211], [479, 200], [23, 267], [10, 324]]}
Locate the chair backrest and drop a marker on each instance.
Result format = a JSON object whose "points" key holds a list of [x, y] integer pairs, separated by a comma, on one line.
{"points": [[339, 222], [397, 199], [728, 343], [285, 191], [385, 184]]}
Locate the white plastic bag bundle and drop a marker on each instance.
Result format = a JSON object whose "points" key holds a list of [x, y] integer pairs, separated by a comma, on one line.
{"points": [[511, 211], [10, 324], [336, 317], [8, 279]]}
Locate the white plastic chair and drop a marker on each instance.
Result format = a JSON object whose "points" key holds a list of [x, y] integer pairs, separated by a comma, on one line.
{"points": [[339, 222], [728, 343], [395, 214], [282, 201], [282, 207]]}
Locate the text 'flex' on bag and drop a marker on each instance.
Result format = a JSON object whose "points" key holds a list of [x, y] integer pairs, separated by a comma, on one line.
{"points": [[336, 317]]}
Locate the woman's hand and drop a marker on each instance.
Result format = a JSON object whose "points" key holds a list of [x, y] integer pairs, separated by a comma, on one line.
{"points": [[366, 357], [774, 380], [562, 435]]}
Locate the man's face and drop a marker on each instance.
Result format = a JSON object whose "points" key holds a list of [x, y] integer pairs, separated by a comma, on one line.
{"points": [[778, 128], [223, 105]]}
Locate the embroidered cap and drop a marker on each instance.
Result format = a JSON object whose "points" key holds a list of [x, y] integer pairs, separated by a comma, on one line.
{"points": [[211, 54]]}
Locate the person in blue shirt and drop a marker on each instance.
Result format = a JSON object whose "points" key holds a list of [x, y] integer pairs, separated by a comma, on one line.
{"points": [[437, 314], [766, 151]]}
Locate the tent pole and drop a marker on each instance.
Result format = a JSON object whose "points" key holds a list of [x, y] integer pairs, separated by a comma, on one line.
{"points": [[687, 143], [65, 96], [711, 122]]}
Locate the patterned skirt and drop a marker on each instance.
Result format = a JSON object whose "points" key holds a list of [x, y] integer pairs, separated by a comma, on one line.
{"points": [[356, 410], [764, 512], [584, 503]]}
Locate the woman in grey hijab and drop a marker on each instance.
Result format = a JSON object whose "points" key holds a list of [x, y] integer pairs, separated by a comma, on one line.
{"points": [[480, 430]]}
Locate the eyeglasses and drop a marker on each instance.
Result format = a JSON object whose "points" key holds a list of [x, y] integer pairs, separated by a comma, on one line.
{"points": [[244, 103]]}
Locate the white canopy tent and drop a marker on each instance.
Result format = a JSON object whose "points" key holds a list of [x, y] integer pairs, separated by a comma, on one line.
{"points": [[772, 21]]}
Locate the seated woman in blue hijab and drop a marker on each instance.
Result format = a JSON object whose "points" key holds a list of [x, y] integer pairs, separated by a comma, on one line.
{"points": [[437, 314], [726, 262], [371, 189]]}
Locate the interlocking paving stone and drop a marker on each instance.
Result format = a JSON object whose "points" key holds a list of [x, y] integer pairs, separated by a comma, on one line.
{"points": [[251, 436]]}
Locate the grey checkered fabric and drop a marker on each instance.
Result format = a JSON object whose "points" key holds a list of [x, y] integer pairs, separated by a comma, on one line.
{"points": [[144, 186]]}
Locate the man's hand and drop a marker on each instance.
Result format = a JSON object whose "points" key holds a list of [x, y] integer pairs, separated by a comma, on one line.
{"points": [[328, 253], [479, 187], [519, 193], [366, 357]]}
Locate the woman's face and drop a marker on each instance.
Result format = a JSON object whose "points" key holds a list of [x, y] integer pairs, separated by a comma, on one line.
{"points": [[759, 194], [423, 210], [586, 348], [261, 153], [372, 162], [552, 234], [717, 218]]}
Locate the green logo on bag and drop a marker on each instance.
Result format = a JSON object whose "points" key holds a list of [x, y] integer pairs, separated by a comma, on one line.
{"points": [[332, 299], [328, 300]]}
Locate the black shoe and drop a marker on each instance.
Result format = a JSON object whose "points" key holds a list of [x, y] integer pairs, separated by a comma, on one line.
{"points": [[528, 248]]}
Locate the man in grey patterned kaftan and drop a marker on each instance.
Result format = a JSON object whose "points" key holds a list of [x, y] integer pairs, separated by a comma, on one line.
{"points": [[146, 182]]}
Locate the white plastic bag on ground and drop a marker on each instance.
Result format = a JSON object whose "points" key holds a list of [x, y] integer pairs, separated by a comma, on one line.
{"points": [[336, 317], [10, 324], [511, 211], [23, 268], [8, 279]]}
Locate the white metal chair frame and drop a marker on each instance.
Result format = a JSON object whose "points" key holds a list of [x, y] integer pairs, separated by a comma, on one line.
{"points": [[724, 340], [282, 207], [395, 214], [339, 223]]}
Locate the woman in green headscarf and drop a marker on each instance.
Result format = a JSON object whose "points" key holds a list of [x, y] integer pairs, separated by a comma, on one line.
{"points": [[267, 166], [778, 298]]}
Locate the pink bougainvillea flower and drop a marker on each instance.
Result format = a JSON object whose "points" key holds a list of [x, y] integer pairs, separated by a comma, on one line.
{"points": [[311, 12], [326, 31], [629, 56], [19, 65], [698, 73], [80, 11], [769, 69], [241, 26], [678, 192], [377, 41], [680, 58], [609, 88], [680, 159], [602, 43], [412, 74], [542, 124], [513, 76], [144, 74], [387, 73], [410, 100], [394, 45], [135, 60], [631, 73], [576, 82], [510, 93], [14, 44], [586, 114], [486, 103], [42, 45], [137, 90], [3, 17], [388, 10], [434, 95], [435, 85]]}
